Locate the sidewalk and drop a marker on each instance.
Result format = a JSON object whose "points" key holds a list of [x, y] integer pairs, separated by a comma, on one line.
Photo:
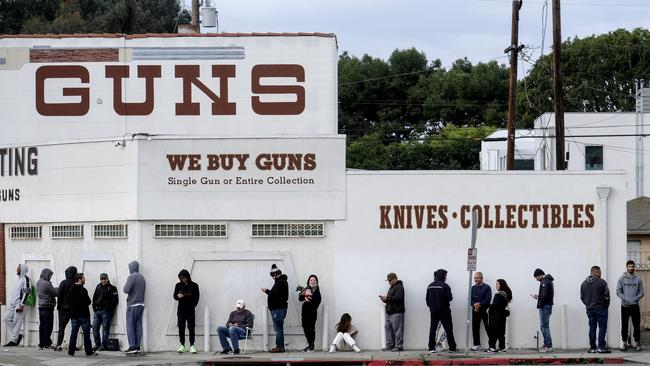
{"points": [[32, 356]]}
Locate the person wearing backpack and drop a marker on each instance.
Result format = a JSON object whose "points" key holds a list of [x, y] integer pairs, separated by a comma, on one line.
{"points": [[46, 303], [16, 306]]}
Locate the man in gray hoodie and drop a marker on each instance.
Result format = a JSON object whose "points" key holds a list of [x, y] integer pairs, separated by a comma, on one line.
{"points": [[134, 288], [16, 306], [46, 303], [630, 290], [594, 293]]}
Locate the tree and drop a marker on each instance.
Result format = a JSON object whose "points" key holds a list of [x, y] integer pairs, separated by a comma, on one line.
{"points": [[599, 73], [89, 16]]}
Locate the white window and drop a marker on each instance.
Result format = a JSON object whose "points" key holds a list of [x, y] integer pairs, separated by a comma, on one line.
{"points": [[288, 230], [110, 231], [190, 231], [26, 232], [634, 253], [67, 231]]}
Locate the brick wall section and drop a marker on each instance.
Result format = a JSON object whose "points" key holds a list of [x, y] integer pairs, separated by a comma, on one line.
{"points": [[74, 55], [3, 268]]}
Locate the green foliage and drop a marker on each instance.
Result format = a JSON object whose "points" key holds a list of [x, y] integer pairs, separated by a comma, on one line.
{"points": [[453, 148], [89, 16], [598, 72]]}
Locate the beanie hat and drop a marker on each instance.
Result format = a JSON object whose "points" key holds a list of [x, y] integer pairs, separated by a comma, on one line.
{"points": [[538, 272], [275, 270]]}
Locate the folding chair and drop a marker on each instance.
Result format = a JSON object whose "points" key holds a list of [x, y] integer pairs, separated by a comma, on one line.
{"points": [[247, 336]]}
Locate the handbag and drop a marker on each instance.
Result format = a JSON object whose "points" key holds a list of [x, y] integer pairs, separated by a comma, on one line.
{"points": [[31, 298]]}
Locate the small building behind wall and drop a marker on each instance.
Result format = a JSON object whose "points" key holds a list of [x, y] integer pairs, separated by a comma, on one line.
{"points": [[173, 175]]}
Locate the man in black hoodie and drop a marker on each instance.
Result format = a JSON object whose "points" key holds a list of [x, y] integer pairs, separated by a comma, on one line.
{"points": [[62, 306], [278, 297], [186, 293], [545, 306], [395, 310], [78, 302], [438, 298], [104, 302], [594, 293]]}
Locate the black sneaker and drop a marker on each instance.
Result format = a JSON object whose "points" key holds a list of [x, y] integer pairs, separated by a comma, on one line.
{"points": [[20, 337], [226, 351], [591, 350], [10, 344], [91, 354], [236, 351], [604, 350]]}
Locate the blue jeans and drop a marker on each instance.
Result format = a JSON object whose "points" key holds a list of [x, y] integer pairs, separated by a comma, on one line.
{"points": [[278, 316], [101, 318], [134, 325], [544, 318], [597, 317], [234, 333], [84, 324]]}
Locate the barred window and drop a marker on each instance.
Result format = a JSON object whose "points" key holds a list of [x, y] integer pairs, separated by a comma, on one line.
{"points": [[110, 231], [190, 231], [26, 232], [288, 230], [67, 231]]}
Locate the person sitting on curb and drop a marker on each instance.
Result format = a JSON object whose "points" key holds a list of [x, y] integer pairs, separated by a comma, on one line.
{"points": [[235, 328], [345, 335]]}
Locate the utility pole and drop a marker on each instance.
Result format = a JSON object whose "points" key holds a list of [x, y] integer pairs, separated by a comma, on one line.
{"points": [[560, 163], [195, 13], [514, 49]]}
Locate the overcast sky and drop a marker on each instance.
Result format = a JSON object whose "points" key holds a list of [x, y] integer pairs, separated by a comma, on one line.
{"points": [[444, 29]]}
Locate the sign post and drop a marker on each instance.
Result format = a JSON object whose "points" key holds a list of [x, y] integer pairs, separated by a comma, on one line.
{"points": [[471, 267]]}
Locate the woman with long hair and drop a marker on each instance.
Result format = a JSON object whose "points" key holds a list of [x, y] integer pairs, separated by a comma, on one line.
{"points": [[345, 334], [310, 297], [497, 316]]}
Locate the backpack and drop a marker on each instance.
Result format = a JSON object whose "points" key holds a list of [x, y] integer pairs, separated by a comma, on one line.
{"points": [[31, 297]]}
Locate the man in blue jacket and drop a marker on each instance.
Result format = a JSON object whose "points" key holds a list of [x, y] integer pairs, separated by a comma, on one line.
{"points": [[481, 296], [438, 298]]}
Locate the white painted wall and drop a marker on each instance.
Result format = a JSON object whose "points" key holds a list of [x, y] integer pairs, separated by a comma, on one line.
{"points": [[364, 253]]}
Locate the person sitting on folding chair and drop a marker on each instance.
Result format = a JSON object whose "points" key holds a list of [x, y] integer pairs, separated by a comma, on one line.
{"points": [[238, 322]]}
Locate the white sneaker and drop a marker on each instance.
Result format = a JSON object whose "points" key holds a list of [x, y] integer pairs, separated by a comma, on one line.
{"points": [[332, 349], [476, 348], [355, 348], [432, 351]]}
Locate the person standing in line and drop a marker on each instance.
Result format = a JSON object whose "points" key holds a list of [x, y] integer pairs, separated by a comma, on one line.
{"points": [[46, 303], [78, 302], [311, 299], [105, 301], [545, 306], [134, 288], [395, 310], [62, 305], [16, 306], [438, 298], [594, 293], [630, 290], [498, 313], [345, 335], [238, 322], [278, 297], [481, 294], [186, 293]]}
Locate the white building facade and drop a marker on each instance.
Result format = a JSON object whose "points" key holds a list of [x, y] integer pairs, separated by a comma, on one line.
{"points": [[220, 154]]}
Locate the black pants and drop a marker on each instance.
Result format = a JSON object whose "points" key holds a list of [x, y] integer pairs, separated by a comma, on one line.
{"points": [[184, 318], [497, 330], [445, 319], [45, 325], [634, 312], [64, 319], [309, 326], [477, 317]]}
